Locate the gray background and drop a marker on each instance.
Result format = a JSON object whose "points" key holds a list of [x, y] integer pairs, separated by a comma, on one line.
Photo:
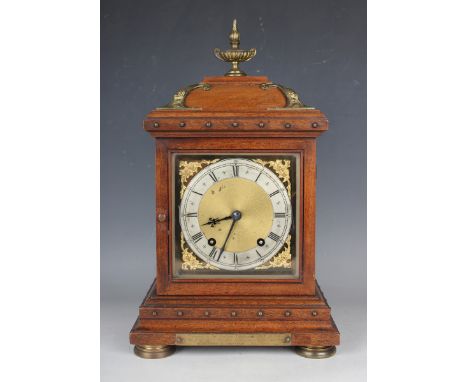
{"points": [[149, 50]]}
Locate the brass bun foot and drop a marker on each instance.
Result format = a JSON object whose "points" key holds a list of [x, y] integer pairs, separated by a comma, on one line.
{"points": [[316, 352], [153, 351]]}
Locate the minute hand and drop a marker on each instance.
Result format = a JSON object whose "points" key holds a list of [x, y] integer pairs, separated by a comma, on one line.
{"points": [[236, 215], [227, 237]]}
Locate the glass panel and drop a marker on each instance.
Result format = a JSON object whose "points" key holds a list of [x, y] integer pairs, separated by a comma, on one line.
{"points": [[236, 215]]}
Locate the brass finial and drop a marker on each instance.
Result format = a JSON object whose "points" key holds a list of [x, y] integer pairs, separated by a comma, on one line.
{"points": [[234, 37], [235, 55]]}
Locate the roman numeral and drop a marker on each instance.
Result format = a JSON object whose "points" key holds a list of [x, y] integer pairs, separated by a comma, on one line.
{"points": [[213, 252], [258, 253], [274, 193], [235, 170], [280, 214], [191, 215], [197, 237], [260, 173], [197, 193], [274, 236], [236, 259], [213, 176]]}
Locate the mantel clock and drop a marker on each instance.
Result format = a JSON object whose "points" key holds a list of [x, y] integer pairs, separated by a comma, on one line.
{"points": [[235, 219]]}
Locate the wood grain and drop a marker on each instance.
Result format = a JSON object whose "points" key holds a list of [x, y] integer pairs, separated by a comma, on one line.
{"points": [[236, 115], [304, 284], [310, 324]]}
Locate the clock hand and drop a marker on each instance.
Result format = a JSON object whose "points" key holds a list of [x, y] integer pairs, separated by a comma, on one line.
{"points": [[236, 215], [213, 221]]}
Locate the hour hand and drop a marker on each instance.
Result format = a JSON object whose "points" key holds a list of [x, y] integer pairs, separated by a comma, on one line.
{"points": [[213, 221]]}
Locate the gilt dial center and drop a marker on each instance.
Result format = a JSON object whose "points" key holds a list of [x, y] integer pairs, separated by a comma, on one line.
{"points": [[248, 205]]}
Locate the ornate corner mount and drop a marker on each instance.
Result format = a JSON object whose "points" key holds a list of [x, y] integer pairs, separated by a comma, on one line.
{"points": [[235, 55], [187, 169], [189, 261], [292, 98], [281, 167], [178, 100], [282, 259]]}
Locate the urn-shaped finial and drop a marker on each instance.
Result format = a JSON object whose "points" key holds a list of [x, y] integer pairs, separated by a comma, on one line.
{"points": [[235, 55]]}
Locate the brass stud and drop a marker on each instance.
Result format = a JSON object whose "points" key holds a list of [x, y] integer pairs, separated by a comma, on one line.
{"points": [[314, 313], [208, 124], [287, 313], [287, 125], [156, 124], [287, 339], [182, 124], [235, 124], [180, 313], [179, 340], [260, 313], [233, 314], [315, 125], [261, 124], [207, 313], [155, 313], [161, 217]]}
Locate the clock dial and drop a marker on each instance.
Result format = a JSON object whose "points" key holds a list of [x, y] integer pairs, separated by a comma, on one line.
{"points": [[235, 214]]}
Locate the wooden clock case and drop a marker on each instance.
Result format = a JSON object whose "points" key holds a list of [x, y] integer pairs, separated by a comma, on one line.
{"points": [[249, 115]]}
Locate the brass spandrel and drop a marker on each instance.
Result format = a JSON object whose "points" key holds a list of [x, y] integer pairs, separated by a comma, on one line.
{"points": [[188, 169], [282, 259], [281, 168], [189, 261]]}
